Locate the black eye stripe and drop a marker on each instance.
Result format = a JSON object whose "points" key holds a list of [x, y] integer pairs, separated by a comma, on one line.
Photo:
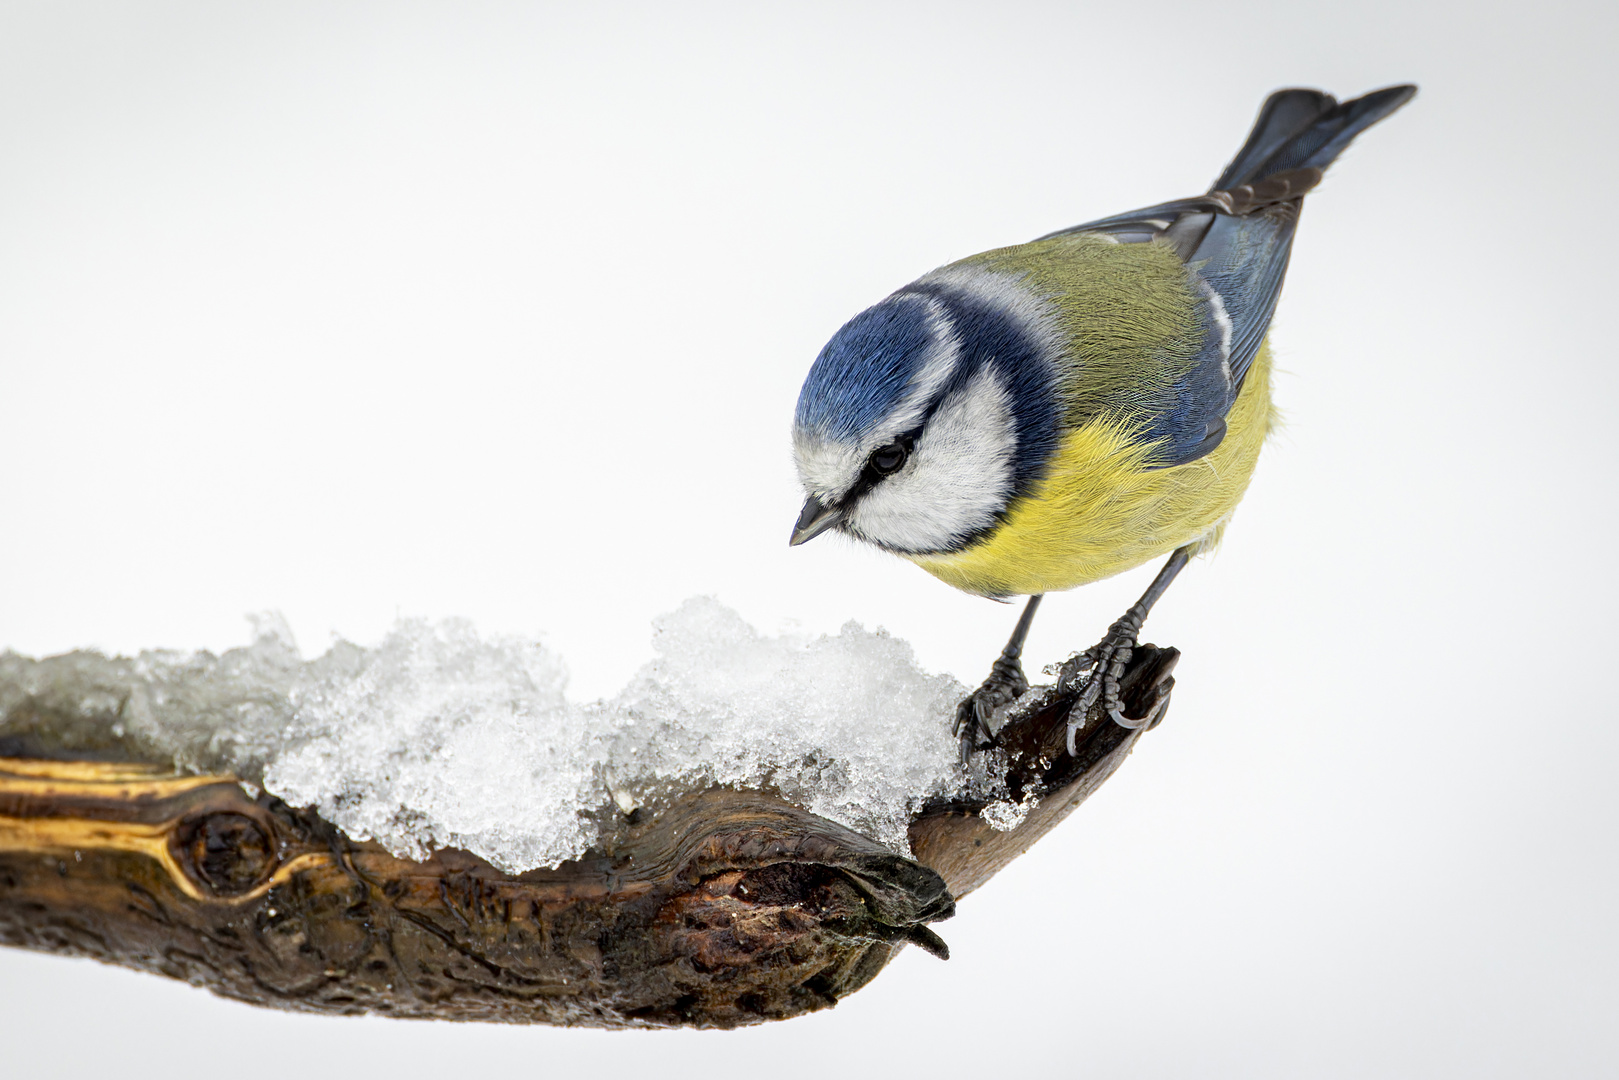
{"points": [[873, 474]]}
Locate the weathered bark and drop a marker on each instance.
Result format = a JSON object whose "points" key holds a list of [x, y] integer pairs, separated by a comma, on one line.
{"points": [[730, 908], [954, 840]]}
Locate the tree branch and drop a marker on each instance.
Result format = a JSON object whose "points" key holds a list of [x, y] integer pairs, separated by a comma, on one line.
{"points": [[730, 908]]}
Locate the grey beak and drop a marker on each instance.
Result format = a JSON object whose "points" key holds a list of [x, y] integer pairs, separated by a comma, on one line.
{"points": [[815, 520]]}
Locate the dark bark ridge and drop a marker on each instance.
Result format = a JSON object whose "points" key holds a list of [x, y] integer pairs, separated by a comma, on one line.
{"points": [[729, 908]]}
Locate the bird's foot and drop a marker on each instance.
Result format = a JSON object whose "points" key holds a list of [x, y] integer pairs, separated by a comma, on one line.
{"points": [[1006, 683], [1096, 673]]}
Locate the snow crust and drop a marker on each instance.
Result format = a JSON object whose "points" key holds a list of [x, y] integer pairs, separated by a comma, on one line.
{"points": [[440, 737]]}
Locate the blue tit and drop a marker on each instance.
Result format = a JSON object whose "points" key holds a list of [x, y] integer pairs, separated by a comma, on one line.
{"points": [[1038, 417]]}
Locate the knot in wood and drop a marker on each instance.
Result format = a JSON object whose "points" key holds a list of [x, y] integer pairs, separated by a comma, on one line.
{"points": [[228, 853]]}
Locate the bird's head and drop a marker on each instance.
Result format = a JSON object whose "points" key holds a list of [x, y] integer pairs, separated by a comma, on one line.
{"points": [[908, 435]]}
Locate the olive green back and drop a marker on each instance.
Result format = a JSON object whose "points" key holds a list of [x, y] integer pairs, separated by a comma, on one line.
{"points": [[1128, 315]]}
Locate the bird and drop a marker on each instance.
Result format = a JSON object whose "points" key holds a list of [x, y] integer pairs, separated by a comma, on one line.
{"points": [[1042, 416]]}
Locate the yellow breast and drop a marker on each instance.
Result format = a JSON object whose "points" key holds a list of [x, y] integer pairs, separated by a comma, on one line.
{"points": [[1100, 511]]}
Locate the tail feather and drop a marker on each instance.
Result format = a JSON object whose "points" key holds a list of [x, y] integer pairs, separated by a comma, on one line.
{"points": [[1306, 129]]}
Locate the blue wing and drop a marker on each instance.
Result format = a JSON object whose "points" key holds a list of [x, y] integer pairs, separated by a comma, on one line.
{"points": [[1236, 241], [1237, 264]]}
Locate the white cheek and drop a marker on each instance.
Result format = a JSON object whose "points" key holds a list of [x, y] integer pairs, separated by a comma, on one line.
{"points": [[957, 479]]}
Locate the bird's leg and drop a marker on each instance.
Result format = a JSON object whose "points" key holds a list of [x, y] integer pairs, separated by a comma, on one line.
{"points": [[1006, 683], [1105, 661]]}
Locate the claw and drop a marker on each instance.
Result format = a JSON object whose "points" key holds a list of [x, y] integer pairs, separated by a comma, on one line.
{"points": [[1006, 683], [1101, 666], [1104, 662]]}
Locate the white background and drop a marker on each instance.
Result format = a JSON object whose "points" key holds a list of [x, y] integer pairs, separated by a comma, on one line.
{"points": [[355, 311]]}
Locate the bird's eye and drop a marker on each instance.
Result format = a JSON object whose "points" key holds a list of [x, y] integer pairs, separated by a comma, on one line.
{"points": [[889, 458]]}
